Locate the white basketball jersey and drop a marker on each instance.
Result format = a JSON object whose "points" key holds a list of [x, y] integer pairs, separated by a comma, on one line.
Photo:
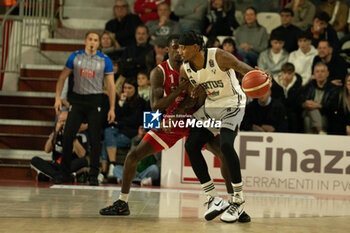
{"points": [[223, 89]]}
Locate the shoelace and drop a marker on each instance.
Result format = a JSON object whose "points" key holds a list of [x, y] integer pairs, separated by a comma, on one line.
{"points": [[115, 205], [233, 208], [209, 201]]}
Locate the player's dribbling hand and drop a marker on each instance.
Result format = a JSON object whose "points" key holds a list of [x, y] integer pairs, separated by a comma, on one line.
{"points": [[266, 73], [58, 105]]}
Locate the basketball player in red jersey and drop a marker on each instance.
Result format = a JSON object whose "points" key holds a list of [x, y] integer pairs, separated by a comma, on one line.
{"points": [[167, 93]]}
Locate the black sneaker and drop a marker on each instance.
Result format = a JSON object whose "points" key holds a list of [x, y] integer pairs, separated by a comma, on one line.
{"points": [[244, 217], [118, 208], [60, 179], [93, 181]]}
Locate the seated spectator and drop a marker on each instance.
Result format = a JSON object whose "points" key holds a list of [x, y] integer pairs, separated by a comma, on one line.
{"points": [[338, 13], [191, 14], [302, 58], [213, 42], [286, 87], [273, 58], [288, 30], [339, 118], [164, 26], [265, 114], [143, 84], [147, 172], [321, 30], [337, 67], [251, 37], [110, 46], [304, 12], [157, 55], [147, 9], [128, 111], [54, 144], [316, 98], [133, 59], [124, 24], [221, 20], [229, 45]]}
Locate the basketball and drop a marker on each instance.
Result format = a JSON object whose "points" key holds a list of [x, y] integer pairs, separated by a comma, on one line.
{"points": [[255, 83]]}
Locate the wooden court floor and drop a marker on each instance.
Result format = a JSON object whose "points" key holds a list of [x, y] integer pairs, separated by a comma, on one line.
{"points": [[75, 209]]}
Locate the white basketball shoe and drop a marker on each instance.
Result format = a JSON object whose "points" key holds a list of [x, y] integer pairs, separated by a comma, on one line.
{"points": [[216, 205], [235, 210]]}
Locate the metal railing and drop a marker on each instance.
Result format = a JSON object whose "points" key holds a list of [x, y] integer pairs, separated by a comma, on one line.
{"points": [[22, 26]]}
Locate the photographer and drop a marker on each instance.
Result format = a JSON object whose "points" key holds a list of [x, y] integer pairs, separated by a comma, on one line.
{"points": [[54, 144]]}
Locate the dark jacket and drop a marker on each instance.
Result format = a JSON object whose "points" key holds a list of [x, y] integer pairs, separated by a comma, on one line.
{"points": [[337, 67], [134, 59], [223, 22], [329, 35], [288, 99], [330, 93], [290, 34], [338, 117], [273, 114], [128, 117], [125, 29]]}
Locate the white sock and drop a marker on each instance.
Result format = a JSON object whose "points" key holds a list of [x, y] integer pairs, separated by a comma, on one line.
{"points": [[209, 189], [238, 190], [124, 196]]}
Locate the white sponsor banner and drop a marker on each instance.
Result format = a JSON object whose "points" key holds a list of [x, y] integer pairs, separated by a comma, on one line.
{"points": [[274, 162]]}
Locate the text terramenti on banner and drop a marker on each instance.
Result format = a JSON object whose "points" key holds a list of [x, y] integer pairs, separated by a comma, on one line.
{"points": [[276, 162]]}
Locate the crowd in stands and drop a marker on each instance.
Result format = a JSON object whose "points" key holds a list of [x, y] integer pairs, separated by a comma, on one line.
{"points": [[310, 90]]}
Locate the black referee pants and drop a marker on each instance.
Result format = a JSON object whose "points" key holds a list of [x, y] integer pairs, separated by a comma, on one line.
{"points": [[83, 108]]}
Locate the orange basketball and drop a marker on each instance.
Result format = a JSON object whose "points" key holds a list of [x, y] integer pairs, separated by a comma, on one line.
{"points": [[255, 83]]}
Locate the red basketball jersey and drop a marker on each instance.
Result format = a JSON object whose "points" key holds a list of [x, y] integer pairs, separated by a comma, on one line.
{"points": [[171, 82]]}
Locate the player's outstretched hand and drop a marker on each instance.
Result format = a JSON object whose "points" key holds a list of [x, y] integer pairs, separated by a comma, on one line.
{"points": [[197, 91], [58, 105], [267, 74]]}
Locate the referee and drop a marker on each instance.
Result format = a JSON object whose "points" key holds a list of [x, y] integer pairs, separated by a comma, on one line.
{"points": [[89, 68]]}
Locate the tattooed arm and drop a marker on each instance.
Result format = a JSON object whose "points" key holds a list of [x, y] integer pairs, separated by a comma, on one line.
{"points": [[228, 61]]}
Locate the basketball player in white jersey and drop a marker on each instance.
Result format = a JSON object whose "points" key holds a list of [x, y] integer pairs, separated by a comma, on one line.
{"points": [[213, 69]]}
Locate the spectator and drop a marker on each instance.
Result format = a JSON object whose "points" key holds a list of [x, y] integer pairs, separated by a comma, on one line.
{"points": [[124, 23], [54, 144], [147, 172], [221, 20], [337, 67], [302, 58], [273, 58], [134, 57], [316, 98], [143, 85], [110, 46], [321, 30], [128, 118], [339, 119], [229, 45], [338, 14], [286, 87], [213, 42], [147, 9], [251, 37], [265, 114], [157, 55], [191, 14], [304, 12], [164, 26], [288, 30]]}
